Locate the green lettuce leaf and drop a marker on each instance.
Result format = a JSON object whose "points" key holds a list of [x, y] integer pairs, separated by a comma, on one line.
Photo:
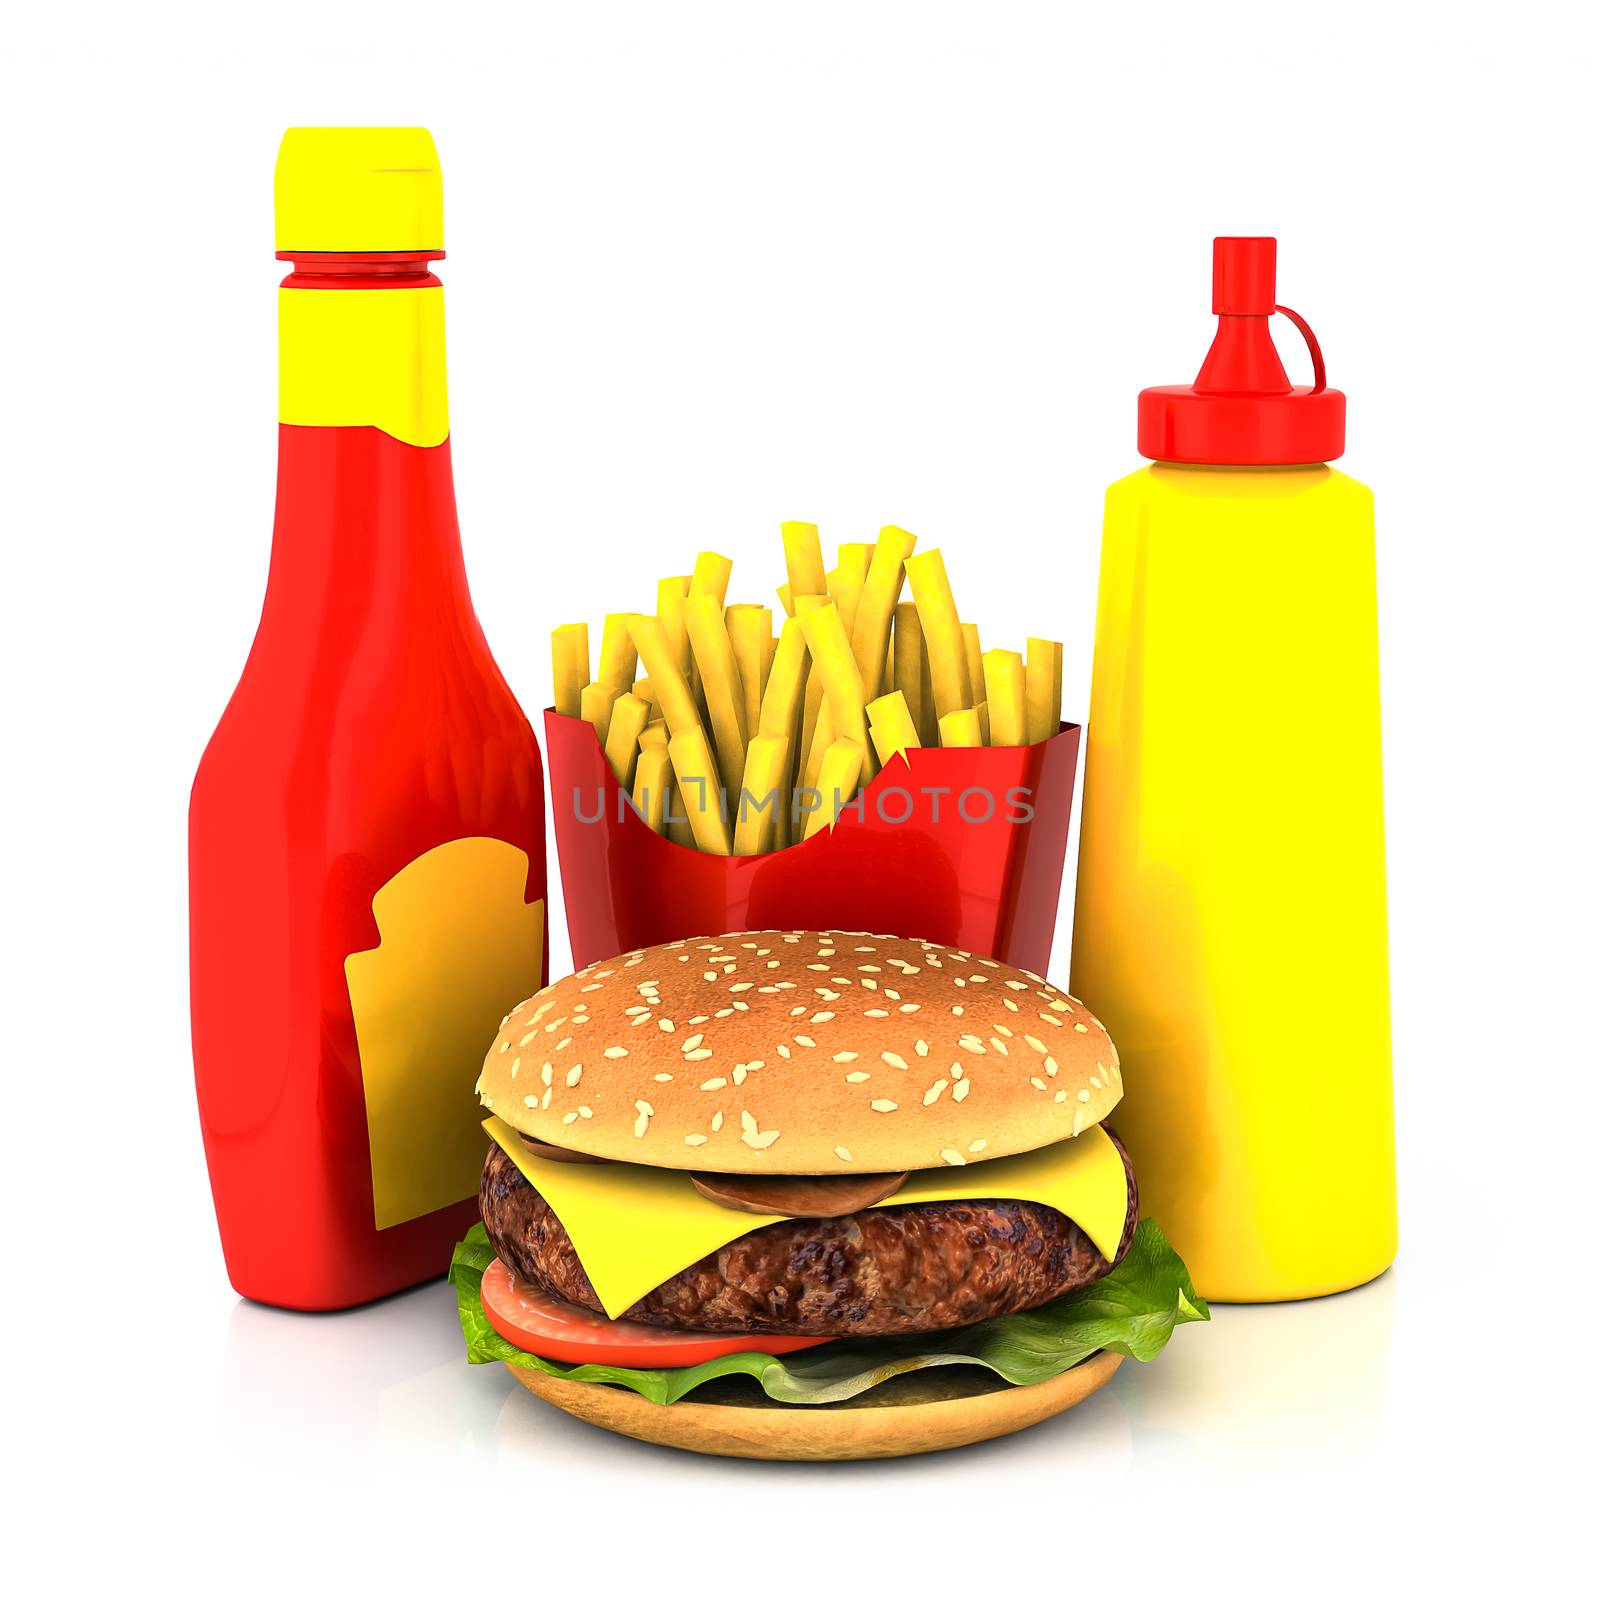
{"points": [[1132, 1310]]}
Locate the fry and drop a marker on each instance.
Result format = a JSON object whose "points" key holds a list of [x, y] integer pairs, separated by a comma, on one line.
{"points": [[679, 830], [619, 660], [782, 709], [569, 666], [908, 660], [711, 574], [719, 676], [869, 637], [833, 661], [974, 654], [652, 786], [941, 632], [893, 731], [838, 780], [760, 794], [750, 632], [699, 790], [844, 589], [982, 708], [670, 593], [802, 556], [1005, 691], [960, 730], [654, 735], [786, 598], [629, 714], [644, 689], [855, 559], [594, 706], [667, 682], [1044, 690], [812, 708]]}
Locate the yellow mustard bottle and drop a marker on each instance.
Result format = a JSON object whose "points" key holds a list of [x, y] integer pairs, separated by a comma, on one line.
{"points": [[1231, 926]]}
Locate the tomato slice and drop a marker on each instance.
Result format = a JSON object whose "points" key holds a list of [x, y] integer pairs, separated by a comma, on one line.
{"points": [[560, 1331]]}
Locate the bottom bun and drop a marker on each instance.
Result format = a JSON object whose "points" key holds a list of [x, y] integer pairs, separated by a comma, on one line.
{"points": [[936, 1408]]}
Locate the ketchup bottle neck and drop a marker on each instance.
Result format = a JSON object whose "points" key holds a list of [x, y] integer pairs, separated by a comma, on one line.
{"points": [[365, 541]]}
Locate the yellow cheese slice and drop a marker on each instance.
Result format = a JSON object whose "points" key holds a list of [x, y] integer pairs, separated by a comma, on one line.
{"points": [[635, 1227]]}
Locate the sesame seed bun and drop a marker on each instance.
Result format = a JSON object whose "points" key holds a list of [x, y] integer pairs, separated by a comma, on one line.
{"points": [[801, 1053]]}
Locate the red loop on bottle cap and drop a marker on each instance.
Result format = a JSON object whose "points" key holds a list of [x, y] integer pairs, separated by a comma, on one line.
{"points": [[1241, 410]]}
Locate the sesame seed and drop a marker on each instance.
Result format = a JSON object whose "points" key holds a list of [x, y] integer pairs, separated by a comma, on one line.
{"points": [[585, 1111], [937, 1089], [716, 1123], [1050, 1066], [571, 1116], [922, 1047], [954, 1157], [889, 1058], [961, 1090], [806, 1040], [561, 1044], [544, 1099], [885, 1105], [840, 1151], [718, 1083], [546, 1072], [739, 988], [1038, 1083], [1078, 1027], [976, 1146], [956, 1069], [516, 1061], [615, 1053], [822, 1016], [694, 1138], [665, 1024], [1000, 1045], [1061, 1097], [1077, 1123], [1034, 1044], [530, 1101], [856, 1077], [909, 1008], [589, 988], [1083, 1095], [876, 1013], [846, 1055], [662, 1077], [693, 1042], [785, 1051], [573, 1074]]}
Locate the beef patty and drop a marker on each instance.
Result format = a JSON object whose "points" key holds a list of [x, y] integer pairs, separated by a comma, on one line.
{"points": [[893, 1269]]}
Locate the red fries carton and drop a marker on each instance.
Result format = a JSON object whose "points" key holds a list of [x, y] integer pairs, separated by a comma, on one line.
{"points": [[965, 847]]}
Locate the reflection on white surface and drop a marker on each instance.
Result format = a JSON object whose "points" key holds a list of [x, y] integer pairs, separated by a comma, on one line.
{"points": [[381, 1380], [390, 1383]]}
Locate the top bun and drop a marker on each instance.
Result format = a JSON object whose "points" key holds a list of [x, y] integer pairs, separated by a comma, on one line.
{"points": [[801, 1053]]}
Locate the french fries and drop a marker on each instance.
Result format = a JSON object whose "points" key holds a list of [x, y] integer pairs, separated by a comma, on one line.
{"points": [[594, 706], [653, 786], [760, 793], [719, 678], [733, 740], [837, 782], [569, 666], [1005, 691], [1044, 690], [619, 661], [629, 714], [700, 791], [893, 731], [941, 632]]}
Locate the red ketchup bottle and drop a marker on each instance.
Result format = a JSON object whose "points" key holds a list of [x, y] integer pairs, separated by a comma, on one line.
{"points": [[366, 831]]}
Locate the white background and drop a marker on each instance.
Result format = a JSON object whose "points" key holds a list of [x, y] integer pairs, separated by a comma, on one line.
{"points": [[711, 267]]}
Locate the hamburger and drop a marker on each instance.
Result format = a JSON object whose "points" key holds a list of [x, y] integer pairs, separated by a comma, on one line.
{"points": [[821, 1161]]}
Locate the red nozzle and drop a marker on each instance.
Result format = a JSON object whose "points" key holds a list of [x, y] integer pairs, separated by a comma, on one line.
{"points": [[1241, 410]]}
